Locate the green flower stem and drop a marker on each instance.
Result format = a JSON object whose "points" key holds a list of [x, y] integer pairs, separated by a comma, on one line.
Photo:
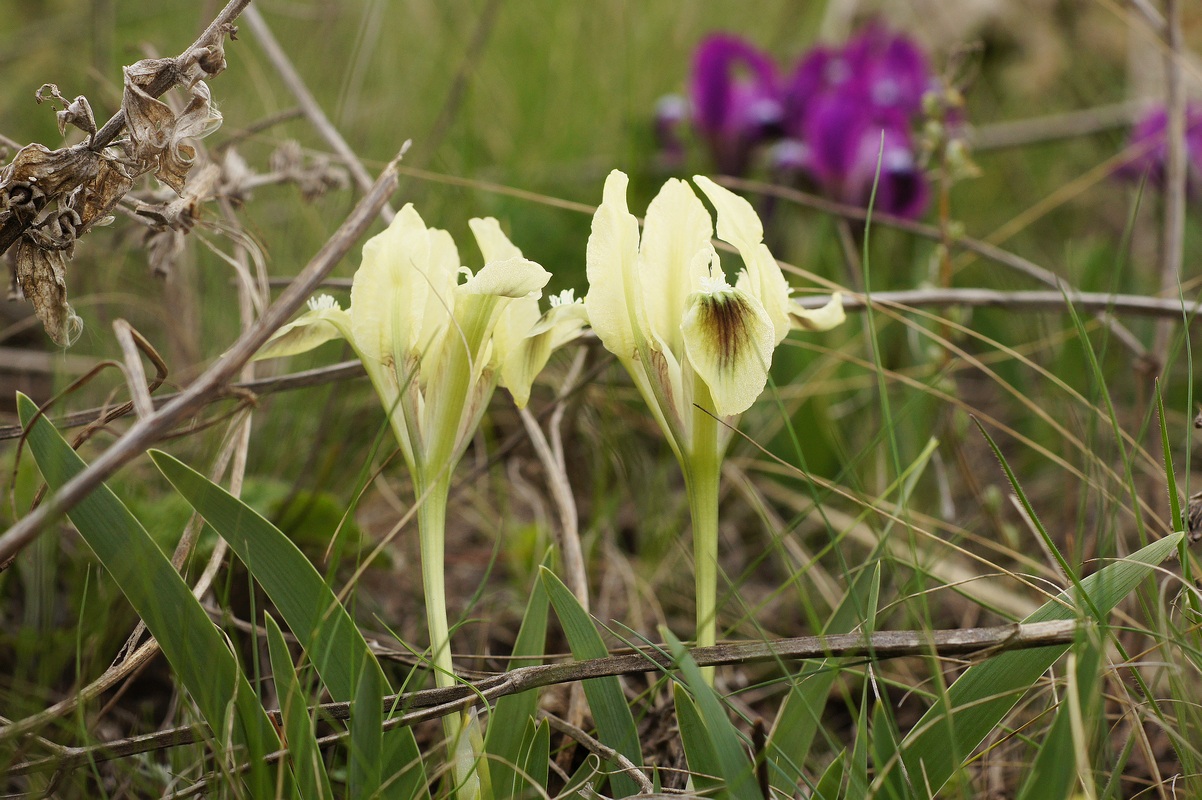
{"points": [[431, 526], [702, 471]]}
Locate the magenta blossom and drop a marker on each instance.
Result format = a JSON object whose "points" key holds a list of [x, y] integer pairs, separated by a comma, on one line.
{"points": [[736, 101], [1149, 145], [847, 108], [839, 151]]}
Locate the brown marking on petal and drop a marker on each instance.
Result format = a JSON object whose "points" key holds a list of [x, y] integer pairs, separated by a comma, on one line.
{"points": [[724, 315]]}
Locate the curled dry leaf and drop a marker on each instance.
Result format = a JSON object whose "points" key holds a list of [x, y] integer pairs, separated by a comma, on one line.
{"points": [[77, 112], [41, 275], [155, 132], [37, 172]]}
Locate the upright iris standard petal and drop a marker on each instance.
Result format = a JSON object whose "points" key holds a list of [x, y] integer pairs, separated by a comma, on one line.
{"points": [[729, 340], [615, 295], [390, 288], [674, 256]]}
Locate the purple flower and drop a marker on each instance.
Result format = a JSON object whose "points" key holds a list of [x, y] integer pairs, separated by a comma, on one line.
{"points": [[890, 70], [736, 100], [838, 105], [1149, 146], [840, 148]]}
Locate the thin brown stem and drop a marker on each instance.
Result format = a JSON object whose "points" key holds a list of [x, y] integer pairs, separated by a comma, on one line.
{"points": [[434, 703]]}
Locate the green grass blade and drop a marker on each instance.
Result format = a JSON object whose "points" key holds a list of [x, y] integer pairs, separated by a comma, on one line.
{"points": [[512, 713], [1169, 476], [730, 756], [615, 723], [312, 781], [537, 760], [831, 780], [976, 703], [403, 771], [1055, 765], [195, 648], [365, 767]]}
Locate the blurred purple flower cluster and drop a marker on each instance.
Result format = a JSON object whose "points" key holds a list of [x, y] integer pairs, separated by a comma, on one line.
{"points": [[827, 122], [1149, 146]]}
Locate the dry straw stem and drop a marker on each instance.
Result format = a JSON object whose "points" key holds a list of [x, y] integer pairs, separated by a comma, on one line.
{"points": [[1173, 238], [309, 105], [435, 703], [215, 380]]}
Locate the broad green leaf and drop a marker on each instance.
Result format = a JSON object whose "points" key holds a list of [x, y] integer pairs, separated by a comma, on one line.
{"points": [[976, 703], [615, 723], [196, 650], [1054, 770], [512, 713], [312, 782], [403, 772], [365, 767], [730, 755]]}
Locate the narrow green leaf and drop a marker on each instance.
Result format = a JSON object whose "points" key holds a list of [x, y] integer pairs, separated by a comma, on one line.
{"points": [[365, 766], [698, 750], [316, 618], [196, 650], [320, 623], [312, 781], [857, 769], [831, 780], [537, 761], [731, 761], [800, 716], [976, 703], [512, 713], [403, 772], [615, 723]]}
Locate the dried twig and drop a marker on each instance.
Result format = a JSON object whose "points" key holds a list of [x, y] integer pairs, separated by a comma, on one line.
{"points": [[1140, 305], [983, 249], [434, 703], [213, 381], [312, 109]]}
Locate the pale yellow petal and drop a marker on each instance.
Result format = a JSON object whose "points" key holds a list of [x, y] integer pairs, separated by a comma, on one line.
{"points": [[729, 340], [611, 260], [494, 244], [306, 332], [818, 319], [674, 257], [739, 225], [389, 290], [523, 362], [513, 277]]}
